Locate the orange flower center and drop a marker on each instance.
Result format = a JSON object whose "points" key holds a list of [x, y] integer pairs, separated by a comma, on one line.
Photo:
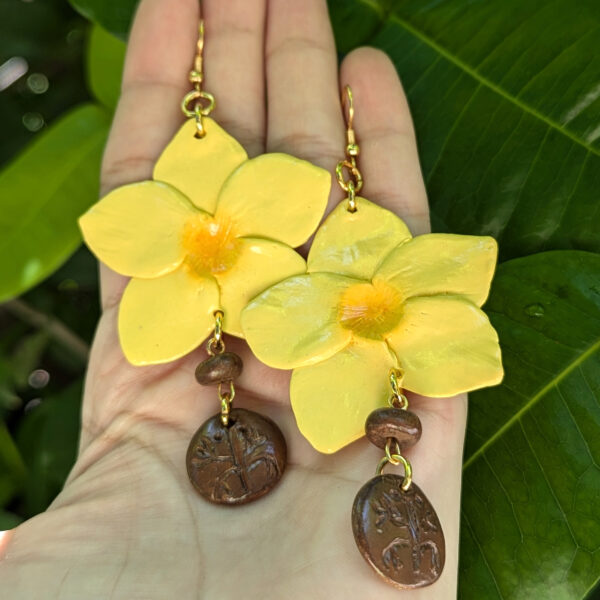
{"points": [[370, 310], [211, 245]]}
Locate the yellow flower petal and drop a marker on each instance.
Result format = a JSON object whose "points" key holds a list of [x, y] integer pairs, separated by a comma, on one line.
{"points": [[259, 265], [165, 318], [332, 399], [355, 243], [276, 196], [441, 263], [136, 228], [446, 346], [295, 322], [199, 167]]}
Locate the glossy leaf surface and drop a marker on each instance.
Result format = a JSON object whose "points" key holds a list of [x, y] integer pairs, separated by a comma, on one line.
{"points": [[43, 192], [508, 127], [532, 462], [105, 57]]}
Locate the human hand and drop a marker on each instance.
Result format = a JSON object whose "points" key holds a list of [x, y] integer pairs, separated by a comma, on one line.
{"points": [[128, 524]]}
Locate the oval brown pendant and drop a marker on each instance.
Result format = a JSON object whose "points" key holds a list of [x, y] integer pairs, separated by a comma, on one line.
{"points": [[237, 463], [398, 533]]}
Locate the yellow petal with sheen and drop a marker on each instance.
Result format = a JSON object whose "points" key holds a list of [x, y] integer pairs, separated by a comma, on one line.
{"points": [[199, 167], [446, 345], [332, 399], [355, 243], [260, 264], [440, 263], [165, 318], [295, 322], [276, 196], [136, 229]]}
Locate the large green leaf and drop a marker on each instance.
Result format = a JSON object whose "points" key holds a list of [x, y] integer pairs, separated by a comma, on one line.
{"points": [[354, 22], [105, 57], [505, 100], [114, 15], [43, 192], [532, 462]]}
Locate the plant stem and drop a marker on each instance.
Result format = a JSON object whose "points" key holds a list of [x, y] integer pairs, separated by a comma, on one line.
{"points": [[56, 329]]}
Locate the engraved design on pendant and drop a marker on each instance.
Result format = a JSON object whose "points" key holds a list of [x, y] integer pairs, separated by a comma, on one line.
{"points": [[398, 533], [237, 463]]}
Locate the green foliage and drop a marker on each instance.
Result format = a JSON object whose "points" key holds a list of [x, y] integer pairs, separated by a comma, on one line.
{"points": [[12, 468], [531, 472], [105, 58], [354, 23], [508, 129], [49, 37], [47, 438], [8, 520], [44, 191], [504, 95], [115, 15]]}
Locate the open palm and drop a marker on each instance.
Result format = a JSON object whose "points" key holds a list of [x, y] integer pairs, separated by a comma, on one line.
{"points": [[128, 523]]}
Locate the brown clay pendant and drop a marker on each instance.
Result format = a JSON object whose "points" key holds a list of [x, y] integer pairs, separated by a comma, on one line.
{"points": [[236, 456], [395, 526], [238, 462], [398, 532]]}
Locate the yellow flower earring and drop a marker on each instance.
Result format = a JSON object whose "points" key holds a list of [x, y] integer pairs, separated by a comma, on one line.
{"points": [[210, 231], [379, 312]]}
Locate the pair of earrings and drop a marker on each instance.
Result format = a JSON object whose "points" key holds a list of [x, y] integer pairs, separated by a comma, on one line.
{"points": [[209, 243]]}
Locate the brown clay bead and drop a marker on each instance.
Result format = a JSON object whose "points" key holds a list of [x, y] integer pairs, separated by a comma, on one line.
{"points": [[401, 425], [237, 463], [398, 532], [219, 368]]}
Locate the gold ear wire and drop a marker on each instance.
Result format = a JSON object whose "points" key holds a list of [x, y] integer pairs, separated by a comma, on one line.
{"points": [[192, 103], [352, 148], [355, 183], [199, 49]]}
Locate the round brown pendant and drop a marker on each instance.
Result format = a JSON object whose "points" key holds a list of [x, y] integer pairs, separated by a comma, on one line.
{"points": [[238, 463], [398, 533]]}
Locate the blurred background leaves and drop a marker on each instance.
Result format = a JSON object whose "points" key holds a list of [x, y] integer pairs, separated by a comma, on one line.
{"points": [[506, 101]]}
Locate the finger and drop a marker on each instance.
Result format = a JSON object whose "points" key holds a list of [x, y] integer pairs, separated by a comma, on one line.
{"points": [[234, 66], [159, 56], [304, 115], [388, 157]]}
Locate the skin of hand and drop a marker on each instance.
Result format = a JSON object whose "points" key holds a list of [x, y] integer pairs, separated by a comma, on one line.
{"points": [[128, 524]]}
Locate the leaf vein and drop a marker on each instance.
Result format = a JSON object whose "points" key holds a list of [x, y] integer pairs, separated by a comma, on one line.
{"points": [[526, 407], [483, 81]]}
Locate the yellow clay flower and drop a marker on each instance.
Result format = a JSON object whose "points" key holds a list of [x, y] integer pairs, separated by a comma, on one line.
{"points": [[374, 298], [210, 231]]}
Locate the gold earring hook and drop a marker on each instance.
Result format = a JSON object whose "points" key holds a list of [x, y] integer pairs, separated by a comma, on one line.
{"points": [[352, 148], [353, 184], [348, 102], [199, 51], [192, 104]]}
